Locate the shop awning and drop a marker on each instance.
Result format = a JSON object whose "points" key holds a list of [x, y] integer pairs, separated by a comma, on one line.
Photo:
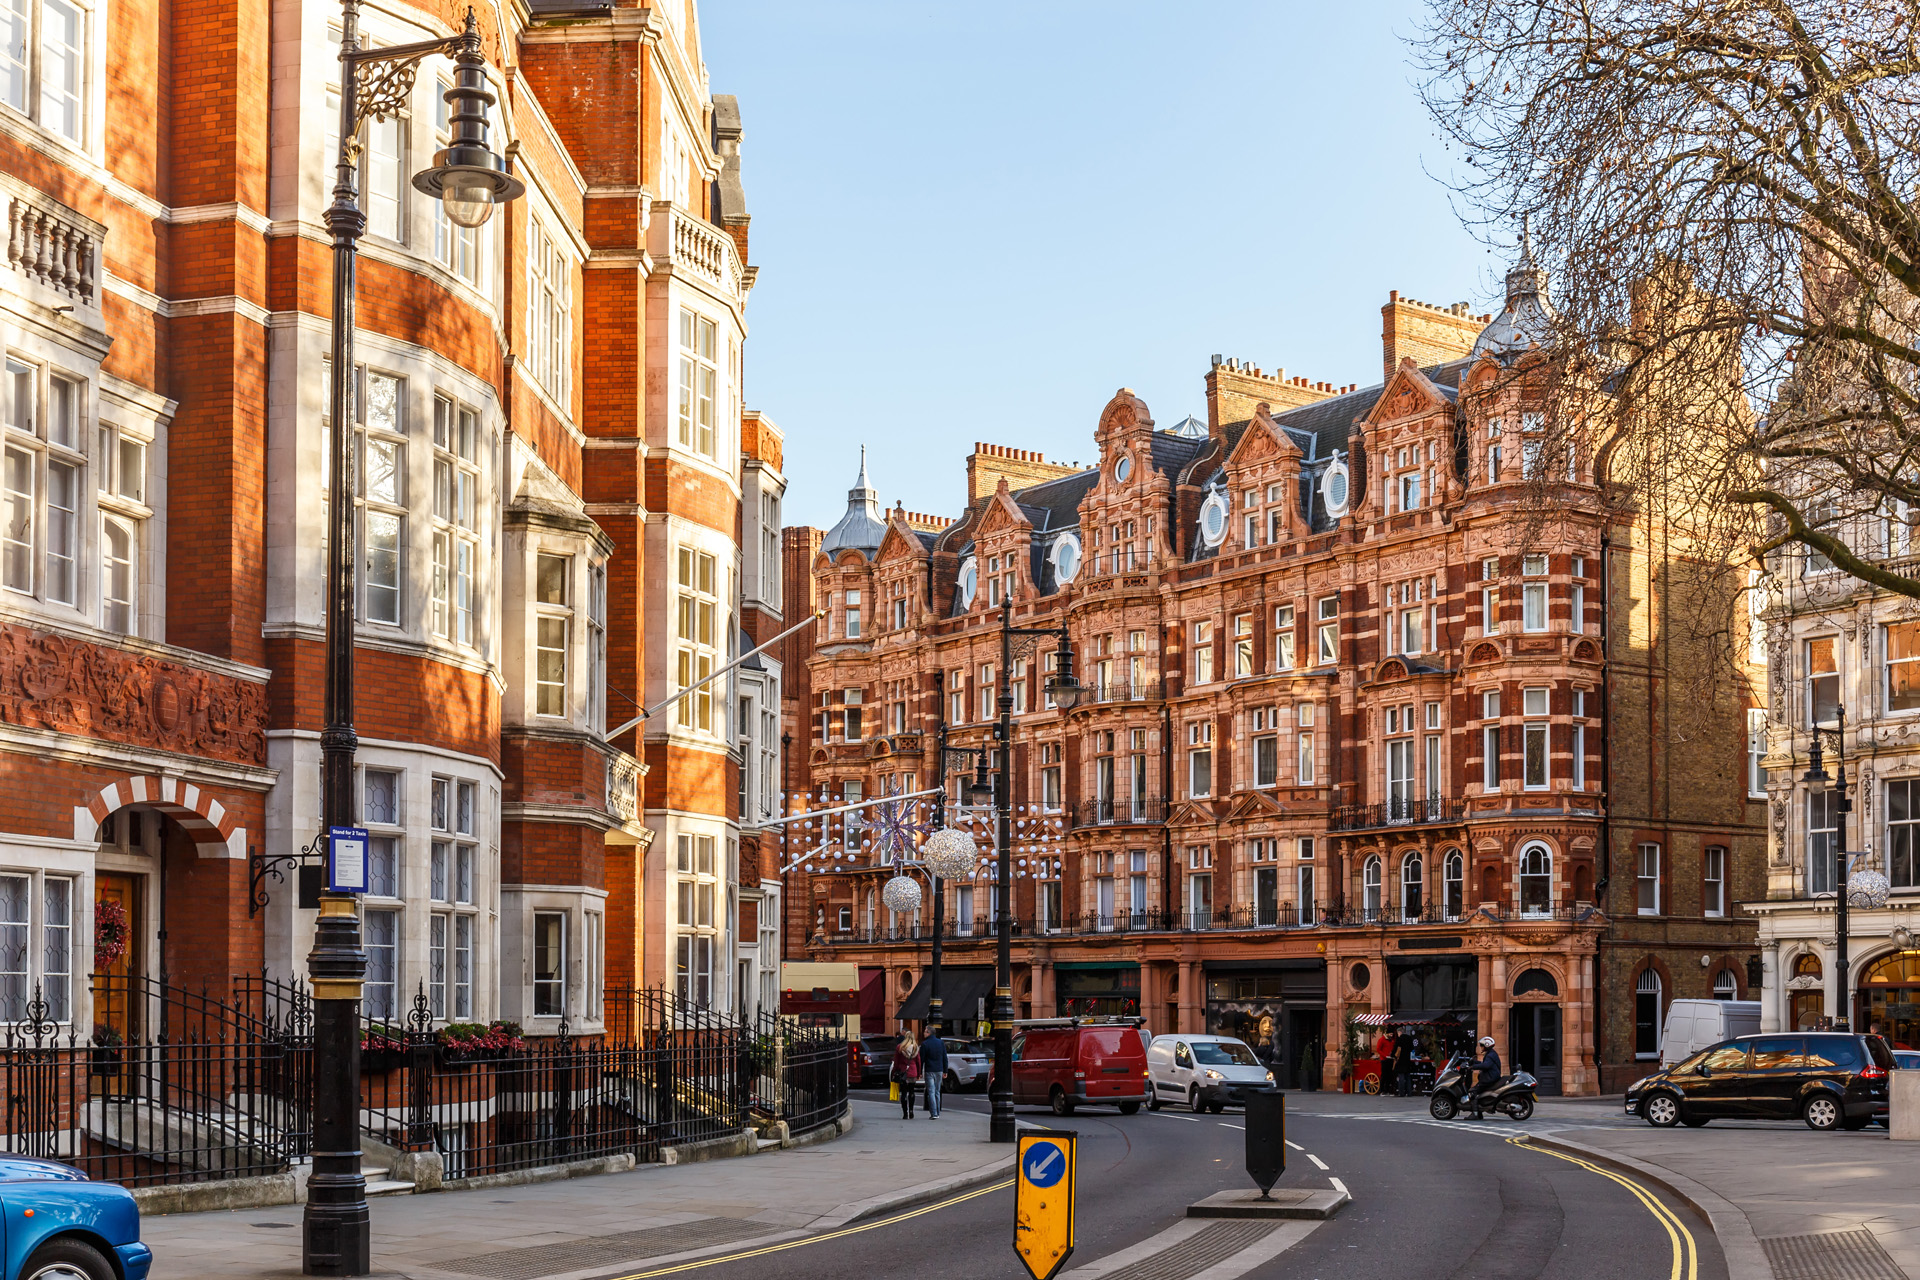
{"points": [[1421, 1018], [961, 990]]}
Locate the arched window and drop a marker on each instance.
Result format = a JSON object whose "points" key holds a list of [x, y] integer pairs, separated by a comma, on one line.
{"points": [[1646, 1015], [1536, 982], [1412, 884], [1725, 985], [1370, 886], [1536, 881], [1807, 966], [1456, 884]]}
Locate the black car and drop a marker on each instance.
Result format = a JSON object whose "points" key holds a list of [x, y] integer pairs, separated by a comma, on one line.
{"points": [[875, 1058], [1830, 1079]]}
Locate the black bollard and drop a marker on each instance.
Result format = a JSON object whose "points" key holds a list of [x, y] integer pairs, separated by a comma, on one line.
{"points": [[1266, 1138]]}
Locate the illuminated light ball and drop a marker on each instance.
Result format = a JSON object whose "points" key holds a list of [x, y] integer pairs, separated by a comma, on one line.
{"points": [[950, 854], [902, 894], [1867, 889]]}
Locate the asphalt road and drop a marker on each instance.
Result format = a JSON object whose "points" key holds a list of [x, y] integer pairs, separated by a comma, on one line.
{"points": [[1429, 1200]]}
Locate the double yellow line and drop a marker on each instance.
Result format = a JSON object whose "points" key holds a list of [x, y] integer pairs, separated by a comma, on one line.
{"points": [[804, 1241], [1686, 1254]]}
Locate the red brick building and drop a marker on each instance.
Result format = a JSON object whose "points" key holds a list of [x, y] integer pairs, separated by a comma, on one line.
{"points": [[1356, 736], [550, 441]]}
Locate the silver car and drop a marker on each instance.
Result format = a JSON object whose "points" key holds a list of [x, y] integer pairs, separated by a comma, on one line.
{"points": [[969, 1064]]}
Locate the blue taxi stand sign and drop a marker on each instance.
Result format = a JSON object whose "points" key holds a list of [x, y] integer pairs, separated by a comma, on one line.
{"points": [[347, 859], [1046, 1160]]}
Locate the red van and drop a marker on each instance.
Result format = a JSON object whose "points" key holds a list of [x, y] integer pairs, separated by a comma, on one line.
{"points": [[1065, 1063]]}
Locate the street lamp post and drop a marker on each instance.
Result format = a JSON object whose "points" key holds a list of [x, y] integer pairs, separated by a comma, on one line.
{"points": [[1816, 779], [979, 791], [470, 179], [1066, 693]]}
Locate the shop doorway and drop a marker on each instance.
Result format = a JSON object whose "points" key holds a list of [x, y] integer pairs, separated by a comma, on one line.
{"points": [[1890, 999], [1534, 1043]]}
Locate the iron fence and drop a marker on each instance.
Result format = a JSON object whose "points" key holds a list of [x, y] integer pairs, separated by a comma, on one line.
{"points": [[180, 1086], [800, 1073], [214, 1094]]}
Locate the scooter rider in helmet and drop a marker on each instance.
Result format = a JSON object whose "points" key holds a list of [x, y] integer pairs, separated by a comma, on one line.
{"points": [[1487, 1067]]}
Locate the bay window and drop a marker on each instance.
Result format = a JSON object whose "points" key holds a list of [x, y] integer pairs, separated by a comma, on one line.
{"points": [[697, 606], [553, 627], [549, 964], [456, 508], [699, 382]]}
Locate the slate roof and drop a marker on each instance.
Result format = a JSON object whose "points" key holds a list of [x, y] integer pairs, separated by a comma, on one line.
{"points": [[862, 528]]}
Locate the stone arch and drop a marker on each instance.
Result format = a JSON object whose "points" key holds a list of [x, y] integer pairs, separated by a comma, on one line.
{"points": [[198, 811], [1555, 968]]}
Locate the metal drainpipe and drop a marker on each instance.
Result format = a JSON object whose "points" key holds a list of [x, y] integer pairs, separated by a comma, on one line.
{"points": [[1606, 786]]}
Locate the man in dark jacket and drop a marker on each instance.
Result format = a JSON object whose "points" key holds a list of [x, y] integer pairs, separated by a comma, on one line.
{"points": [[1403, 1046], [1488, 1074], [933, 1067]]}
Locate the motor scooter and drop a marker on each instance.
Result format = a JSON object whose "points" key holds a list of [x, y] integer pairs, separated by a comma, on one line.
{"points": [[1512, 1094]]}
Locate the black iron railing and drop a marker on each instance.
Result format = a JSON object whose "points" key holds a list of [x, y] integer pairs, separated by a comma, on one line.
{"points": [[219, 1094], [1404, 811], [1122, 811], [176, 1086]]}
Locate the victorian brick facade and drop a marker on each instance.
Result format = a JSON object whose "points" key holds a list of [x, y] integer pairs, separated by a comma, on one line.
{"points": [[550, 446], [1368, 732]]}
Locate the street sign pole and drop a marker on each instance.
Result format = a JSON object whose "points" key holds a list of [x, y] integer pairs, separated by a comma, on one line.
{"points": [[1046, 1162]]}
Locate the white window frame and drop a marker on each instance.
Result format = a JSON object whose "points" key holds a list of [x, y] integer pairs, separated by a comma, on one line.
{"points": [[32, 87], [461, 250], [1713, 880], [1647, 889], [549, 318], [553, 634], [1756, 752], [458, 532], [700, 624], [378, 505]]}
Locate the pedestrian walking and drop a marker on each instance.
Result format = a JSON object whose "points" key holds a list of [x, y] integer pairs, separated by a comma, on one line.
{"points": [[1383, 1050], [1403, 1047], [905, 1072], [933, 1065]]}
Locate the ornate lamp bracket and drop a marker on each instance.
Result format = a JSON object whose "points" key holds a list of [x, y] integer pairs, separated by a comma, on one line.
{"points": [[389, 73], [260, 866]]}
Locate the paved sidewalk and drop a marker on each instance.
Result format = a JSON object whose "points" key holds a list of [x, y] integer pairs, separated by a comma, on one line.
{"points": [[590, 1226], [1786, 1179]]}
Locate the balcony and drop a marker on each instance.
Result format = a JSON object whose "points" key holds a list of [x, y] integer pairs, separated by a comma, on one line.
{"points": [[697, 248], [1402, 811], [1122, 691], [52, 251], [1126, 811]]}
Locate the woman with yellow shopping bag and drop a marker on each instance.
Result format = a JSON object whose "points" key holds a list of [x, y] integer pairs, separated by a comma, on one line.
{"points": [[905, 1073]]}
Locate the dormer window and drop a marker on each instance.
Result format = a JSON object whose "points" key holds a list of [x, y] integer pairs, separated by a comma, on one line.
{"points": [[1409, 489], [969, 582], [1123, 469]]}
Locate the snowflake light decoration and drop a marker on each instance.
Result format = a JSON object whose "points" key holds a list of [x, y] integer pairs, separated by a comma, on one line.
{"points": [[895, 830]]}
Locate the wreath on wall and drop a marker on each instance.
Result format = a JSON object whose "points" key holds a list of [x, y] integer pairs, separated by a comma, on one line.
{"points": [[112, 935]]}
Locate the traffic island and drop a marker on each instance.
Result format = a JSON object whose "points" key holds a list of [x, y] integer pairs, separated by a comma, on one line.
{"points": [[1297, 1202]]}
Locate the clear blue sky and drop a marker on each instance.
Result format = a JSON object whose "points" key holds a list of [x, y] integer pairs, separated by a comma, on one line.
{"points": [[976, 222]]}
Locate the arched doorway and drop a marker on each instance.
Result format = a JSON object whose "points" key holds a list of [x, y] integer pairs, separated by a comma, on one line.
{"points": [[1807, 997], [1890, 996], [1533, 1027]]}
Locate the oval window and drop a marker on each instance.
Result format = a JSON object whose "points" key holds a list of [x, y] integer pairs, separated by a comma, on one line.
{"points": [[969, 581], [1333, 489], [1123, 469], [1066, 558], [1359, 976], [1213, 520]]}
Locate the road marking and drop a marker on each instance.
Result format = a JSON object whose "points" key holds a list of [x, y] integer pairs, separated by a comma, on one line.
{"points": [[1318, 1163], [1677, 1232], [1296, 1146], [1341, 1187], [1164, 1116], [1227, 1125], [819, 1239]]}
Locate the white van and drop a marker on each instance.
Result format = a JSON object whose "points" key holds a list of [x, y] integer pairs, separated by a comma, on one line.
{"points": [[1204, 1072], [1693, 1025]]}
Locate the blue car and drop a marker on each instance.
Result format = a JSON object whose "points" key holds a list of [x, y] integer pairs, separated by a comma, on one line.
{"points": [[59, 1225]]}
